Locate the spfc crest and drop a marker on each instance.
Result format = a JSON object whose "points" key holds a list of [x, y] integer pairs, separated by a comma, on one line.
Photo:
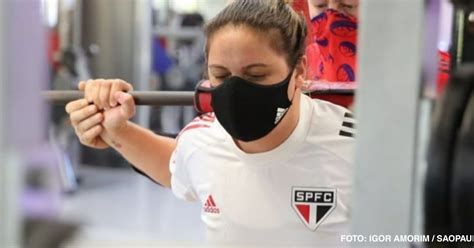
{"points": [[313, 205]]}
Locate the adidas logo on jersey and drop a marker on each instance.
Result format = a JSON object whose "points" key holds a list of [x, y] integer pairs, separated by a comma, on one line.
{"points": [[280, 113], [210, 206]]}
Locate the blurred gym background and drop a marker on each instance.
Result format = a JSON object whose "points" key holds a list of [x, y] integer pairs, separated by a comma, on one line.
{"points": [[57, 193], [99, 200]]}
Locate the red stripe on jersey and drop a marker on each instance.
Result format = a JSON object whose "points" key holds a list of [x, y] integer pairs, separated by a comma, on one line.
{"points": [[210, 117], [191, 126], [201, 121], [205, 117], [208, 204]]}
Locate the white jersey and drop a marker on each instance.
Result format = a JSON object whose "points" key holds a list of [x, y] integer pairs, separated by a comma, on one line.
{"points": [[295, 195]]}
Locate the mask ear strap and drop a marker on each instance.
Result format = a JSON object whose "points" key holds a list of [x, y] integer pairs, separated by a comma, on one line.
{"points": [[306, 89], [294, 92]]}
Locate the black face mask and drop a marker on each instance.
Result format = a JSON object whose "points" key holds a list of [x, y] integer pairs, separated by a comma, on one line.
{"points": [[249, 111]]}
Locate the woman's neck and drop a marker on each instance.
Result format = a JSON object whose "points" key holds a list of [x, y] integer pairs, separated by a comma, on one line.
{"points": [[279, 134]]}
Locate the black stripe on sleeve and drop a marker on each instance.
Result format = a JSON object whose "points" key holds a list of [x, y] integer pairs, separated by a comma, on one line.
{"points": [[349, 115], [348, 124], [346, 134]]}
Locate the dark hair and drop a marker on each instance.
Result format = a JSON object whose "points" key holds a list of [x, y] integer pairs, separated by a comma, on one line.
{"points": [[266, 16]]}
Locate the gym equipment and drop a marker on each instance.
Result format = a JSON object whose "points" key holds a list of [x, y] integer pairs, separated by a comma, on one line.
{"points": [[462, 190], [62, 97], [450, 177], [449, 185], [201, 98]]}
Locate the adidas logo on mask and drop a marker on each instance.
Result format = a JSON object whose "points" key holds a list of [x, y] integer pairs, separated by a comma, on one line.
{"points": [[279, 114]]}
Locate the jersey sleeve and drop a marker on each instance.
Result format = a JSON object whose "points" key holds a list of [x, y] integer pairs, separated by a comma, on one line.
{"points": [[347, 132], [181, 183], [338, 125], [186, 166]]}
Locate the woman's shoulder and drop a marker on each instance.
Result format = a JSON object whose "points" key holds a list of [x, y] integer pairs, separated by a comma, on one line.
{"points": [[201, 131], [333, 129], [330, 110], [200, 123], [326, 115]]}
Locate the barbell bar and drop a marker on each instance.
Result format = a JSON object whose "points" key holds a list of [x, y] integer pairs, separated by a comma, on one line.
{"points": [[153, 98], [159, 98], [200, 98]]}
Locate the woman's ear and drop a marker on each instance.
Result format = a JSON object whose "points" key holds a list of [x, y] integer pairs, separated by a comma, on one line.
{"points": [[300, 73]]}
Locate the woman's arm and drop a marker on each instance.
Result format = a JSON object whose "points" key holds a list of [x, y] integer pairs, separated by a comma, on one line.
{"points": [[145, 150]]}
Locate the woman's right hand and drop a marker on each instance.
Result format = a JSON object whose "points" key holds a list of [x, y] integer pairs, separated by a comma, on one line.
{"points": [[111, 97], [105, 107], [86, 120]]}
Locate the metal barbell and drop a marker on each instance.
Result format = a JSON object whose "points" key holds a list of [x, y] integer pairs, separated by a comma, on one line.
{"points": [[154, 98], [159, 98]]}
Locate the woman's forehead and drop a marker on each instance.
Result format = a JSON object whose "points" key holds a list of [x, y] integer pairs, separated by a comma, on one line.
{"points": [[239, 46], [318, 2], [350, 2]]}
